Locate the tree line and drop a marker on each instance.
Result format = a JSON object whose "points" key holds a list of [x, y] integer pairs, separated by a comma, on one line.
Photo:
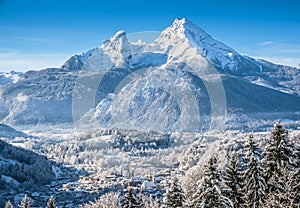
{"points": [[266, 177], [25, 203]]}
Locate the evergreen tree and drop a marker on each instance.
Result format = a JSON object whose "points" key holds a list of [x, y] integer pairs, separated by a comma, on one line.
{"points": [[110, 199], [51, 203], [277, 154], [254, 187], [149, 202], [130, 200], [296, 170], [9, 204], [287, 194], [175, 196], [209, 193], [25, 203], [233, 180]]}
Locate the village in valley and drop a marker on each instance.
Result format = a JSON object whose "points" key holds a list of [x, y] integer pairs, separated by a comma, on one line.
{"points": [[79, 187]]}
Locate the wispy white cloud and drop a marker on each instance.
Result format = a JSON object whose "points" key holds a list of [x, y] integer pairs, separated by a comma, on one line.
{"points": [[289, 50], [276, 51], [15, 60], [280, 46], [267, 43], [31, 39], [280, 60]]}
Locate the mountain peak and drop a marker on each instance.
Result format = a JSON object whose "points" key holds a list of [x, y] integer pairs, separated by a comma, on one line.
{"points": [[181, 29], [180, 22], [114, 52], [118, 47], [118, 35], [184, 34], [186, 26]]}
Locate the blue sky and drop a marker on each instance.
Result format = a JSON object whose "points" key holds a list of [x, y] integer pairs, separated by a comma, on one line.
{"points": [[35, 34]]}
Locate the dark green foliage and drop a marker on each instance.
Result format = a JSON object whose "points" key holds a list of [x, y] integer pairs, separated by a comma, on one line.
{"points": [[209, 193], [9, 204], [130, 200], [279, 153], [25, 203], [287, 193], [24, 171], [296, 169], [51, 203], [2, 183], [175, 196], [281, 169], [254, 187], [233, 180], [275, 154], [149, 202]]}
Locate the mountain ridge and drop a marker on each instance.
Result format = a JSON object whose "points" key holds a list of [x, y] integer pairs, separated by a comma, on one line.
{"points": [[177, 82]]}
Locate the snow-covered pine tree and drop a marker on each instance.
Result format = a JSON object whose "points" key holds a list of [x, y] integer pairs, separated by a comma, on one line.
{"points": [[51, 203], [149, 202], [175, 196], [279, 153], [287, 193], [209, 192], [296, 170], [110, 199], [25, 203], [233, 180], [9, 204], [130, 200], [254, 187]]}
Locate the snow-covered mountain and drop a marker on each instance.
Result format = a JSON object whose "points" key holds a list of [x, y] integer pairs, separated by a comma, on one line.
{"points": [[9, 77], [76, 62], [183, 35], [9, 132], [38, 97], [185, 81]]}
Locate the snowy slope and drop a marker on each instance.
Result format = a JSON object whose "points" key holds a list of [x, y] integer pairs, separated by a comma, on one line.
{"points": [[169, 101], [40, 96], [183, 35], [19, 166], [118, 52], [113, 53], [76, 62], [9, 132], [9, 77], [283, 78]]}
